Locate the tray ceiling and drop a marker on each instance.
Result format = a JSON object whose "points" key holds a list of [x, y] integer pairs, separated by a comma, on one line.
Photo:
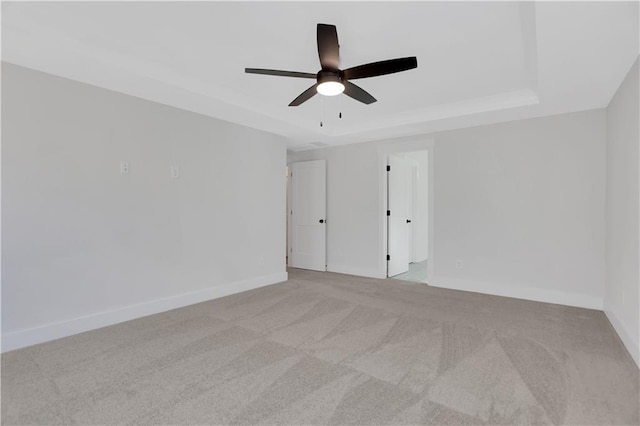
{"points": [[478, 62]]}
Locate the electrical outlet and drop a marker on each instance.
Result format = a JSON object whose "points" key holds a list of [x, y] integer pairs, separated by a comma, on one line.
{"points": [[124, 167], [458, 264]]}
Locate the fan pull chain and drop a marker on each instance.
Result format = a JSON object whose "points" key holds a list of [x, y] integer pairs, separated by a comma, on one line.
{"points": [[321, 111]]}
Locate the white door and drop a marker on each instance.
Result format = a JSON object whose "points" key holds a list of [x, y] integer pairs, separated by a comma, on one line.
{"points": [[308, 215], [399, 183], [412, 206]]}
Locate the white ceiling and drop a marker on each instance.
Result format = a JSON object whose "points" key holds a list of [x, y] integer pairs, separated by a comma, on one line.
{"points": [[478, 62]]}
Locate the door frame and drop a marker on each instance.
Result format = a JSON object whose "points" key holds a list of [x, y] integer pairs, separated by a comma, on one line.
{"points": [[384, 151]]}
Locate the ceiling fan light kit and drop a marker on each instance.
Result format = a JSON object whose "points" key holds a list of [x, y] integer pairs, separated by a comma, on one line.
{"points": [[331, 80], [329, 84]]}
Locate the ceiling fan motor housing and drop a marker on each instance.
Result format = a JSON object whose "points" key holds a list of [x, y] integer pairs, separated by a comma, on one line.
{"points": [[325, 76], [330, 82]]}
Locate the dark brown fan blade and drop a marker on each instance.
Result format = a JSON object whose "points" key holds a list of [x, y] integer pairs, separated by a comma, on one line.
{"points": [[328, 48], [358, 93], [375, 69], [304, 96], [280, 73]]}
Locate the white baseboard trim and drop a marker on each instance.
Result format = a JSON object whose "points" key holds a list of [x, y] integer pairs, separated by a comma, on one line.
{"points": [[632, 345], [348, 270], [31, 336], [518, 292]]}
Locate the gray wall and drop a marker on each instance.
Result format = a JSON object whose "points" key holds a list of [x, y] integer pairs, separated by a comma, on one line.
{"points": [[520, 204], [622, 298], [85, 246]]}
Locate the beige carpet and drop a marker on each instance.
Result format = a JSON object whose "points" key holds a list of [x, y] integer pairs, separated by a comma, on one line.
{"points": [[325, 348]]}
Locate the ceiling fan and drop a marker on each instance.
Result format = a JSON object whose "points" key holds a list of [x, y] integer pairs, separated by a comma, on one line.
{"points": [[331, 80]]}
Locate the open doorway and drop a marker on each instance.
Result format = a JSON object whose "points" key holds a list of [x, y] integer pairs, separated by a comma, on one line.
{"points": [[408, 215]]}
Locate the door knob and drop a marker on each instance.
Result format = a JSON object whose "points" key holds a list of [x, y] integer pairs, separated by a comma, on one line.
{"points": [[408, 220], [321, 220]]}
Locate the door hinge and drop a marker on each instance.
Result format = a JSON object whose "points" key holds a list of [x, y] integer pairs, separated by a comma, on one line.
{"points": [[388, 168], [388, 257], [388, 212]]}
